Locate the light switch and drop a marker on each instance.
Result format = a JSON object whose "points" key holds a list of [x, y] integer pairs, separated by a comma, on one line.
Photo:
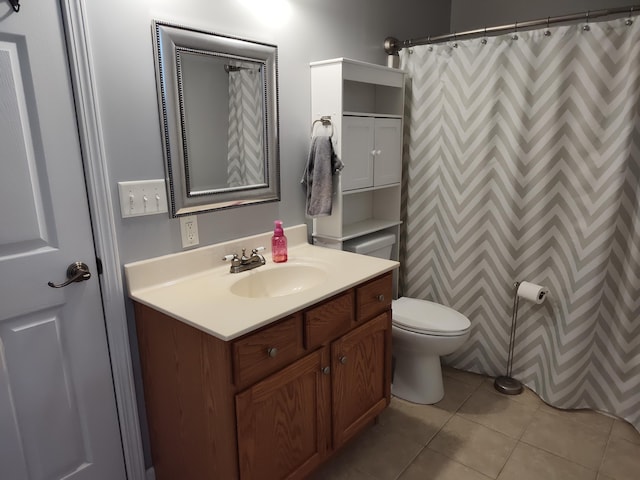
{"points": [[144, 197]]}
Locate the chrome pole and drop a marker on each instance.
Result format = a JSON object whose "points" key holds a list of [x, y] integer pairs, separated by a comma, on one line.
{"points": [[506, 383], [392, 45]]}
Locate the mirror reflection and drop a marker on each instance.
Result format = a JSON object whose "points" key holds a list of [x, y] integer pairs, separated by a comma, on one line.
{"points": [[226, 130], [218, 100]]}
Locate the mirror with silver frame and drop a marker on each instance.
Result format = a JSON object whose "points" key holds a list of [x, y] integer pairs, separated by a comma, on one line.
{"points": [[218, 100]]}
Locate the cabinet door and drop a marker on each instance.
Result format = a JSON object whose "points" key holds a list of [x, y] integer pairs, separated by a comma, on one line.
{"points": [[357, 152], [284, 421], [361, 376], [387, 161]]}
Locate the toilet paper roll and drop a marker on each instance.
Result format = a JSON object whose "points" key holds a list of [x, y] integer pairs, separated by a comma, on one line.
{"points": [[532, 292]]}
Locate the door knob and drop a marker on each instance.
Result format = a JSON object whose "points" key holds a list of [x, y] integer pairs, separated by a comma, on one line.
{"points": [[77, 272]]}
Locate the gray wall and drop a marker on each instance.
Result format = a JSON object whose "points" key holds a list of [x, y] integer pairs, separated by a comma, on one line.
{"points": [[470, 14], [304, 31]]}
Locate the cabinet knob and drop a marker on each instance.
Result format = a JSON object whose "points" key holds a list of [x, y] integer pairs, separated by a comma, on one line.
{"points": [[326, 370], [272, 352], [378, 152], [373, 152], [380, 298], [343, 359]]}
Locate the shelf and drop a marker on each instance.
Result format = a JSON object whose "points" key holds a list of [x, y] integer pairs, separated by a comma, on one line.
{"points": [[358, 229], [368, 114], [369, 189]]}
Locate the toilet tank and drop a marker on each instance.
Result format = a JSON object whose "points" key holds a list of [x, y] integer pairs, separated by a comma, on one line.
{"points": [[377, 244]]}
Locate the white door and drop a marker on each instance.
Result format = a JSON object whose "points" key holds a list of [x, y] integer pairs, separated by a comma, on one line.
{"points": [[357, 153], [387, 161], [57, 403]]}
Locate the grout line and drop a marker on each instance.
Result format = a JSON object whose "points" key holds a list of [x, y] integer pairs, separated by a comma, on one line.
{"points": [[408, 465], [558, 456], [604, 453]]}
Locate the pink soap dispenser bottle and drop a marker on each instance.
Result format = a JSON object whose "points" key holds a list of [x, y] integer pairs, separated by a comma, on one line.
{"points": [[278, 243]]}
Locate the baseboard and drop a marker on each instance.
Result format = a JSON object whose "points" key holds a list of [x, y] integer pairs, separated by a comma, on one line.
{"points": [[151, 474]]}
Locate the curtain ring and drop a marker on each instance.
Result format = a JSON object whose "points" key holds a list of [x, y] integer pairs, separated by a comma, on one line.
{"points": [[547, 32], [629, 22], [484, 39], [429, 43], [515, 31], [586, 27], [455, 42]]}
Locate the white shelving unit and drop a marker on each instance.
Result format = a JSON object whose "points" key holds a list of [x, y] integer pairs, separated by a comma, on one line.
{"points": [[366, 104]]}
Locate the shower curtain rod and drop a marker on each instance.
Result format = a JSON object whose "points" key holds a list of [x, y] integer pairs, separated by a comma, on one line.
{"points": [[392, 45]]}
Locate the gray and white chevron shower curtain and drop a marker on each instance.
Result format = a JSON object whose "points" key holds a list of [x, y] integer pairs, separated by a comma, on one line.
{"points": [[522, 162], [245, 161]]}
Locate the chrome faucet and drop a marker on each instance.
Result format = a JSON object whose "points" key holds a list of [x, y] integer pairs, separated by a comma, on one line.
{"points": [[244, 263]]}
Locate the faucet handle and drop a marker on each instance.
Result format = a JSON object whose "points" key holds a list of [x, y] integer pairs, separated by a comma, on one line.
{"points": [[256, 250], [233, 256]]}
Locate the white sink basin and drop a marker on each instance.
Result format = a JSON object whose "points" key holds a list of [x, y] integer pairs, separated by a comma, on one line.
{"points": [[278, 281]]}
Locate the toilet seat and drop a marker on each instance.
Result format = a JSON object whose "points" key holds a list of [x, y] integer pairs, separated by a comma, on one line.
{"points": [[428, 318]]}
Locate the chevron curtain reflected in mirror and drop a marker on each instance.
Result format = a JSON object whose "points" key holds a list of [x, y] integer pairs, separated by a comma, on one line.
{"points": [[245, 162], [522, 162]]}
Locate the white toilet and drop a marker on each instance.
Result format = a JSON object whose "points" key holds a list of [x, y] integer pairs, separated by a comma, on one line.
{"points": [[422, 332]]}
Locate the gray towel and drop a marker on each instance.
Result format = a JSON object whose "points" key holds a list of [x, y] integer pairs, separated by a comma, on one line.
{"points": [[321, 165]]}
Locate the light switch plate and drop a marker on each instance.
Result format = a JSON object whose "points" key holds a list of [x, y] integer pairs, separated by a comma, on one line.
{"points": [[143, 197], [189, 231]]}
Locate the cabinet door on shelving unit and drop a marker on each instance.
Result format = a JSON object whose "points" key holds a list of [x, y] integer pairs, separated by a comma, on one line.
{"points": [[284, 421], [387, 167], [357, 152], [361, 370]]}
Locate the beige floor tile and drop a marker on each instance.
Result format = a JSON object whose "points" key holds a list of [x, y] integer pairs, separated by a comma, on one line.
{"points": [[455, 394], [623, 429], [470, 378], [531, 463], [473, 445], [566, 438], [431, 465], [498, 413], [340, 471], [587, 418], [621, 460], [341, 466], [419, 423], [381, 454]]}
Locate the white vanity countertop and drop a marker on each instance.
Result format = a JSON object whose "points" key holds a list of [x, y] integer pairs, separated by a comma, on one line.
{"points": [[195, 286]]}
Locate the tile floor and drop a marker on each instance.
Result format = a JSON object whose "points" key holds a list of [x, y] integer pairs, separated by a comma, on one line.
{"points": [[475, 433]]}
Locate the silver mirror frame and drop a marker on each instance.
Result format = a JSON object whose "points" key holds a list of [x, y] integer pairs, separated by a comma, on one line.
{"points": [[168, 40]]}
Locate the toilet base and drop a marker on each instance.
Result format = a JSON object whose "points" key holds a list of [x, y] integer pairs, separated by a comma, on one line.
{"points": [[418, 378]]}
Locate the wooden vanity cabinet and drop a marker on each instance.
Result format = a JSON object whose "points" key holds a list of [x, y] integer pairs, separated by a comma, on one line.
{"points": [[273, 404]]}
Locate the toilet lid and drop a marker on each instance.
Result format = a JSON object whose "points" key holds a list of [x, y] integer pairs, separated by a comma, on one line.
{"points": [[422, 316]]}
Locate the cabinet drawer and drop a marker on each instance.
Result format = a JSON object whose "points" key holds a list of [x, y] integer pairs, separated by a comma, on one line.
{"points": [[329, 320], [262, 353], [374, 297]]}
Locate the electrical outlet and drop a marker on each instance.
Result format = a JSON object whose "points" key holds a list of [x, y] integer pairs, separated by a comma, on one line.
{"points": [[189, 231]]}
